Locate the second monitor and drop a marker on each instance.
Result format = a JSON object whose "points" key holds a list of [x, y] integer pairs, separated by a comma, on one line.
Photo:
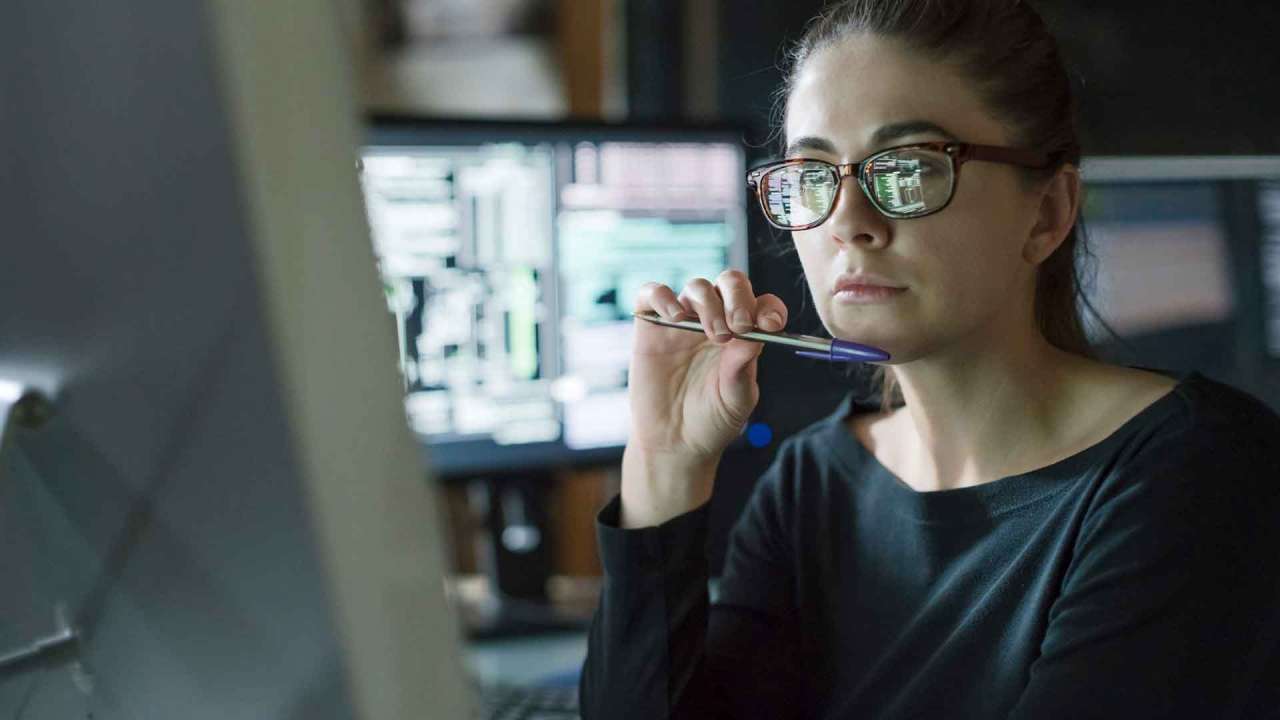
{"points": [[511, 254]]}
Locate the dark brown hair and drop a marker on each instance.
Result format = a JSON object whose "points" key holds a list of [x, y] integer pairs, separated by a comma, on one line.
{"points": [[1004, 47]]}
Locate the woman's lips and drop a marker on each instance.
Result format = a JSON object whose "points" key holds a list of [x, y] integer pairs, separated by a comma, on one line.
{"points": [[863, 279], [866, 294]]}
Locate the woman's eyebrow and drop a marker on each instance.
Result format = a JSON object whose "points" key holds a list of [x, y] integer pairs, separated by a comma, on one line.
{"points": [[894, 131], [810, 143], [881, 137]]}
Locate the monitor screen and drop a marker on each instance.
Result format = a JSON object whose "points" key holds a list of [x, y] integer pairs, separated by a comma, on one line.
{"points": [[1187, 254], [511, 255], [1163, 256]]}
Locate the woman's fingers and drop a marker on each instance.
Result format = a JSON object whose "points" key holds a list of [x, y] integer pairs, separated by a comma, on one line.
{"points": [[771, 313], [744, 309], [701, 296], [659, 298], [728, 305], [739, 301]]}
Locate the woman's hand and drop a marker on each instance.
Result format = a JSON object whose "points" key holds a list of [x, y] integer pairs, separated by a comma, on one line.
{"points": [[691, 395]]}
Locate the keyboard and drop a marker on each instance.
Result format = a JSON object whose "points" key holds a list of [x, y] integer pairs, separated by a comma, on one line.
{"points": [[522, 702]]}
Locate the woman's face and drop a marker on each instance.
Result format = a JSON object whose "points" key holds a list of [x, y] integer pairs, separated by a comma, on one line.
{"points": [[963, 267]]}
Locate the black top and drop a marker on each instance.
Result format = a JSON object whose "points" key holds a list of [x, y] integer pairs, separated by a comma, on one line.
{"points": [[1137, 578]]}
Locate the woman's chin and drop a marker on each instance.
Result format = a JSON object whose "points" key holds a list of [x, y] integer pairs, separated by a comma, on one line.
{"points": [[863, 331]]}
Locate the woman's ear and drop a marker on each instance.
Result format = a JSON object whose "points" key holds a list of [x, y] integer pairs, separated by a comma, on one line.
{"points": [[1055, 216]]}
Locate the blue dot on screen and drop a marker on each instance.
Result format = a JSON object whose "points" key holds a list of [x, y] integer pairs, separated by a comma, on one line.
{"points": [[759, 434]]}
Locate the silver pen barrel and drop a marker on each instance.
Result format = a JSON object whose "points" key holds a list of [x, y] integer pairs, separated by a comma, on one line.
{"points": [[805, 342]]}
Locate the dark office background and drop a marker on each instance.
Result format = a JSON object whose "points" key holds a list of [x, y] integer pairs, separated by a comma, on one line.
{"points": [[1181, 78]]}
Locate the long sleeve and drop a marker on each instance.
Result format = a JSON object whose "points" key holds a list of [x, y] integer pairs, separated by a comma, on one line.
{"points": [[1171, 605], [657, 648], [1139, 578]]}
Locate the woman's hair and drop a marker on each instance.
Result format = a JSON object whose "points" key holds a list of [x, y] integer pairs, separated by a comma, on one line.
{"points": [[1006, 50]]}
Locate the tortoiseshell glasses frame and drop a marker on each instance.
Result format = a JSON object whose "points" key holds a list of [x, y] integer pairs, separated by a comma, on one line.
{"points": [[957, 154]]}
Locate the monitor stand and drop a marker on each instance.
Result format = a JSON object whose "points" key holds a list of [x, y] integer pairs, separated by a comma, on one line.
{"points": [[515, 551]]}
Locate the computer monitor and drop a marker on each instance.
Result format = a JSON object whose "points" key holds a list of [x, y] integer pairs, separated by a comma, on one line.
{"points": [[1185, 261], [226, 514], [511, 254], [1269, 256]]}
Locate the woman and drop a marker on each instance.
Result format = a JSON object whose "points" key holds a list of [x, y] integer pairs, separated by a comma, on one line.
{"points": [[1027, 532]]}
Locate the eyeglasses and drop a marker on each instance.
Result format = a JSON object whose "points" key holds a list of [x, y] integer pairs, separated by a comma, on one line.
{"points": [[903, 182]]}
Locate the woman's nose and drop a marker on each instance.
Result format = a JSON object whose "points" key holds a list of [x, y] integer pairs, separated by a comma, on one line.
{"points": [[854, 219]]}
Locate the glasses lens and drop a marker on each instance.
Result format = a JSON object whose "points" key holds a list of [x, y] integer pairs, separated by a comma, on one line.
{"points": [[911, 182], [800, 194]]}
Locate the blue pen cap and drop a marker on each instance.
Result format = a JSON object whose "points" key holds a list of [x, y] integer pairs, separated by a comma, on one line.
{"points": [[846, 351]]}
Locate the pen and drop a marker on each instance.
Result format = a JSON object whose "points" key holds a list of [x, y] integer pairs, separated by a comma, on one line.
{"points": [[814, 347]]}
